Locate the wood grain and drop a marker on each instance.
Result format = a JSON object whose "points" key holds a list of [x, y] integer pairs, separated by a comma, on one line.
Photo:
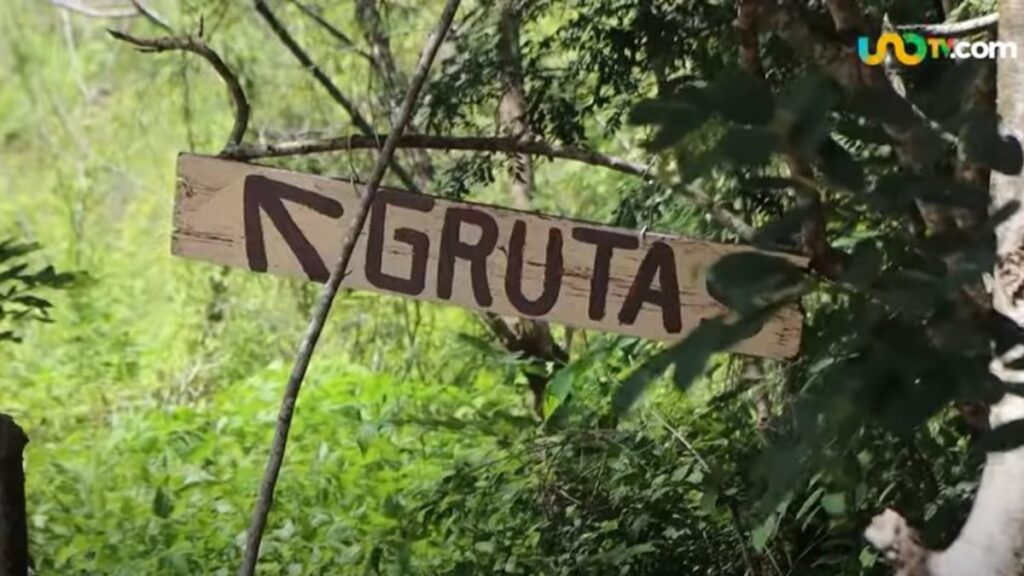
{"points": [[494, 259]]}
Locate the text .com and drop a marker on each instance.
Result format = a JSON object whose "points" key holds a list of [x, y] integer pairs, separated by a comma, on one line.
{"points": [[911, 49]]}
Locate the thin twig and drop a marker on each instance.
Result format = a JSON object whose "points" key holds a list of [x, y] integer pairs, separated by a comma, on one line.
{"points": [[392, 79], [728, 219], [93, 12], [682, 440], [148, 13], [429, 142], [725, 217], [137, 9], [953, 29], [196, 45], [332, 89], [330, 290], [331, 29], [741, 536]]}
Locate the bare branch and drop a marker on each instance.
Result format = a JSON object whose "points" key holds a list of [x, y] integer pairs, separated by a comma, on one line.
{"points": [[513, 118], [721, 215], [448, 143], [746, 27], [985, 23], [323, 305], [348, 105], [499, 328], [393, 81], [113, 12], [94, 12], [196, 45], [837, 59], [725, 217], [331, 29], [513, 121], [148, 13]]}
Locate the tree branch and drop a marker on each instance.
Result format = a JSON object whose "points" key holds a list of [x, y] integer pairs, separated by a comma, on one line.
{"points": [[513, 121], [448, 143], [985, 23], [93, 12], [746, 27], [154, 18], [323, 306], [392, 79], [196, 45], [349, 106], [839, 61], [331, 29], [492, 145], [138, 9]]}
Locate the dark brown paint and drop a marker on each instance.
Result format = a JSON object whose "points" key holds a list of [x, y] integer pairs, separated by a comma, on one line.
{"points": [[659, 262], [453, 248], [554, 268], [262, 193], [420, 243], [605, 242]]}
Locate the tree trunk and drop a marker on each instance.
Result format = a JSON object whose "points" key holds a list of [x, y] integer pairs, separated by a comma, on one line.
{"points": [[13, 526], [513, 121], [991, 542]]}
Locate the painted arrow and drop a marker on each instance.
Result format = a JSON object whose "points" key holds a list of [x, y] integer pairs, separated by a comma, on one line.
{"points": [[267, 195]]}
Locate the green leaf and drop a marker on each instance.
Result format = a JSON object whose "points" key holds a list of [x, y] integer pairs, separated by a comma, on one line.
{"points": [[865, 265], [675, 117], [771, 234], [11, 248], [868, 557], [839, 166], [834, 504], [747, 281], [162, 505], [809, 504], [559, 389], [33, 302], [983, 144], [634, 386], [709, 501], [806, 103], [760, 536], [690, 355], [743, 98], [883, 105], [748, 146], [487, 547], [12, 272]]}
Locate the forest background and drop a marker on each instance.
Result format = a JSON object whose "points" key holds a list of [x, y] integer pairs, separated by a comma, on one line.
{"points": [[426, 442]]}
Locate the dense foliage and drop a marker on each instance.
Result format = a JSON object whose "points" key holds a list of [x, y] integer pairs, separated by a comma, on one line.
{"points": [[150, 402]]}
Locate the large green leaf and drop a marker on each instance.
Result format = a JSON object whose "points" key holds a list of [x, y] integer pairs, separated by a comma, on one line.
{"points": [[743, 98], [690, 355], [748, 281]]}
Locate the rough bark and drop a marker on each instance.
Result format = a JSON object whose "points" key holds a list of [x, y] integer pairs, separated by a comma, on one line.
{"points": [[13, 527], [394, 81], [533, 337], [991, 542]]}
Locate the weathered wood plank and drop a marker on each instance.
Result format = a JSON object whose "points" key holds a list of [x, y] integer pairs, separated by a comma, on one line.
{"points": [[480, 257]]}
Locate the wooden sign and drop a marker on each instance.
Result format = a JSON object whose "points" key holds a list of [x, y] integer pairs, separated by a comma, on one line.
{"points": [[480, 257]]}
